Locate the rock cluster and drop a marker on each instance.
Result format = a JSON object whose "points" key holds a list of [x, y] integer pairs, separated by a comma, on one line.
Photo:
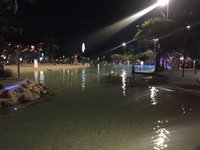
{"points": [[26, 91]]}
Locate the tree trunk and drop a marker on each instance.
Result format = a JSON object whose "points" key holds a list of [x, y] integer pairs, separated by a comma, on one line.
{"points": [[157, 63]]}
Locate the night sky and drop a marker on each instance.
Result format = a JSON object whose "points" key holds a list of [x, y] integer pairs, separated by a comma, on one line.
{"points": [[73, 21]]}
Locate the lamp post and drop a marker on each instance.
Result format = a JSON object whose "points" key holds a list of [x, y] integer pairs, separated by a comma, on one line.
{"points": [[184, 50], [163, 3], [18, 60], [124, 44]]}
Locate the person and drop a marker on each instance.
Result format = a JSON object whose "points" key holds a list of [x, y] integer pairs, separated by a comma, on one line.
{"points": [[133, 71]]}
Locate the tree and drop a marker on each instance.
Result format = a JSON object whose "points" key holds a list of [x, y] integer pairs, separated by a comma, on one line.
{"points": [[116, 57], [153, 33], [13, 4], [9, 26], [51, 46]]}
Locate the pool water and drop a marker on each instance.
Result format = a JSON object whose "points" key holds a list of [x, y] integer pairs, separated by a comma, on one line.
{"points": [[86, 112]]}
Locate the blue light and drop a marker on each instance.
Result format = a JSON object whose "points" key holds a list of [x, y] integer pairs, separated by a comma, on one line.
{"points": [[11, 87]]}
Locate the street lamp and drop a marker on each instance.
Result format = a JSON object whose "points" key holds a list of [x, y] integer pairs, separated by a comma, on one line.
{"points": [[163, 3], [124, 44], [188, 27]]}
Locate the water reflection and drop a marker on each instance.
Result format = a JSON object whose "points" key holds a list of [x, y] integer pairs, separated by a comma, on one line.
{"points": [[83, 80], [36, 76], [185, 109], [42, 77], [124, 76], [63, 75], [153, 95], [98, 74], [161, 137]]}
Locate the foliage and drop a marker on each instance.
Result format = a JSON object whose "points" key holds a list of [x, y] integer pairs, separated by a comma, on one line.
{"points": [[149, 54], [116, 57], [9, 26], [51, 46], [6, 73], [154, 28], [13, 4], [1, 86], [131, 57]]}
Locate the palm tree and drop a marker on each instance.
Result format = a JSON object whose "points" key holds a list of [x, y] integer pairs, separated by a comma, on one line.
{"points": [[13, 4]]}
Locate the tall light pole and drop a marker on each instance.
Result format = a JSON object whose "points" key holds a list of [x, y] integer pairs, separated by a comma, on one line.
{"points": [[18, 61], [163, 3], [124, 44], [184, 50]]}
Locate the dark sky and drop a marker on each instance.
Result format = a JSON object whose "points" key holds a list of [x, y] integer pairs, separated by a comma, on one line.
{"points": [[73, 21]]}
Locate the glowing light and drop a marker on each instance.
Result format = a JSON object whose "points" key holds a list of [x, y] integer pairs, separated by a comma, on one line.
{"points": [[124, 44], [108, 31], [32, 48], [163, 2], [83, 47], [41, 58], [83, 80], [124, 76], [4, 57], [153, 95], [42, 77], [188, 27], [36, 76], [15, 109], [12, 87], [162, 136], [35, 63], [145, 11]]}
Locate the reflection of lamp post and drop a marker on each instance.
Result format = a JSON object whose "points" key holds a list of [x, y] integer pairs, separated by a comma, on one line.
{"points": [[124, 44]]}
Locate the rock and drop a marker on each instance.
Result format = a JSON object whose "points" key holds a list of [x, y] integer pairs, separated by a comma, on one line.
{"points": [[43, 86], [44, 92], [9, 98], [36, 89], [27, 92]]}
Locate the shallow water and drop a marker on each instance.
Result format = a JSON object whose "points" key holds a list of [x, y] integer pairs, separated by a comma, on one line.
{"points": [[90, 113]]}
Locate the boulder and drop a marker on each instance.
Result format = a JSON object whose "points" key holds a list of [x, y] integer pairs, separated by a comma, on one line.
{"points": [[8, 98]]}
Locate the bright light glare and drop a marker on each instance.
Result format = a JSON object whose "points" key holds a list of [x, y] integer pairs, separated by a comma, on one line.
{"points": [[83, 47], [112, 29], [123, 44], [163, 2], [145, 11]]}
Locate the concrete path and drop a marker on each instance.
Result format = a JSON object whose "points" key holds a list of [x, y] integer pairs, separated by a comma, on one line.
{"points": [[190, 78]]}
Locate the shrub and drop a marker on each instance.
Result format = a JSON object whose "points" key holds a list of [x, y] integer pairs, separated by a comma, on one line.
{"points": [[6, 73]]}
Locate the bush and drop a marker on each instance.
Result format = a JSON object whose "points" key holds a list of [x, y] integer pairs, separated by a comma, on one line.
{"points": [[6, 73], [1, 86]]}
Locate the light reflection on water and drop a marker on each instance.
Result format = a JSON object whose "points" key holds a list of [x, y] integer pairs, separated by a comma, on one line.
{"points": [[124, 76], [83, 80], [71, 81], [98, 74], [39, 76], [36, 76], [185, 109], [42, 77], [153, 95], [162, 135]]}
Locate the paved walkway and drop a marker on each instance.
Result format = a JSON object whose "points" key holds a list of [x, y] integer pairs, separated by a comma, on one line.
{"points": [[190, 78]]}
